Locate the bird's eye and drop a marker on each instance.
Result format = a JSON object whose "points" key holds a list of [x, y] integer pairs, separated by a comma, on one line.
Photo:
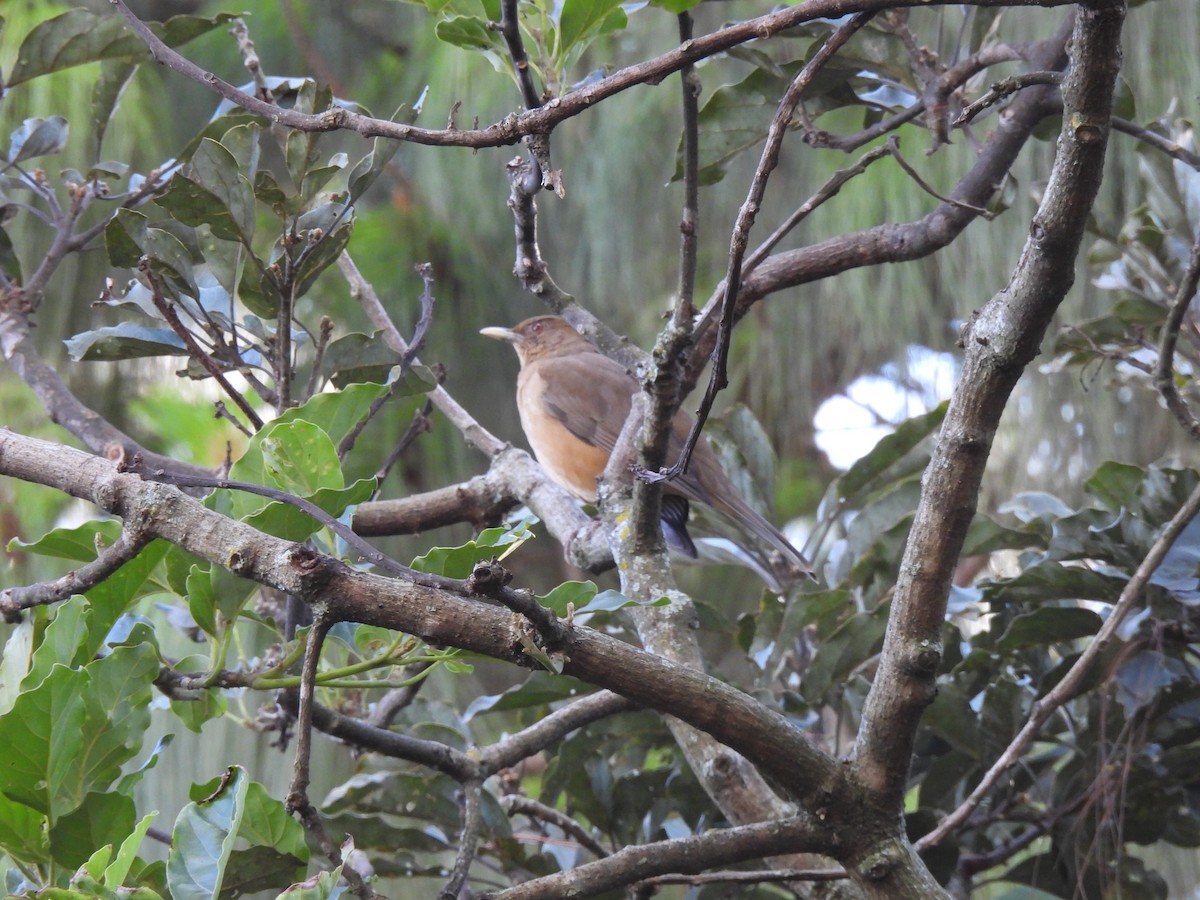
{"points": [[536, 327]]}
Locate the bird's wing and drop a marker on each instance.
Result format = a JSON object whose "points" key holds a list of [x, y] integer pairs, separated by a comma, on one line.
{"points": [[589, 394]]}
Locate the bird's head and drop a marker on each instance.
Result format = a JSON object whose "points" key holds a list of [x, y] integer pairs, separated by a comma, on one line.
{"points": [[540, 337]]}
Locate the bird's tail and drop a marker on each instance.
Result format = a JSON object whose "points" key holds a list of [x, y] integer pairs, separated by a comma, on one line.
{"points": [[740, 511]]}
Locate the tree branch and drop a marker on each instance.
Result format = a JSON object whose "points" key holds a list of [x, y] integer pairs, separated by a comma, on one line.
{"points": [[1000, 342], [543, 120]]}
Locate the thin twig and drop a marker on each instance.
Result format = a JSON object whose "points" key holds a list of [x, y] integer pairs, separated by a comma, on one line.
{"points": [[1164, 373], [1005, 88], [468, 840], [510, 29], [297, 797], [362, 291], [745, 221], [542, 120], [389, 706], [1062, 692], [753, 876], [824, 193], [419, 425], [1172, 148], [195, 351], [425, 270], [250, 59], [77, 581], [894, 147], [517, 804]]}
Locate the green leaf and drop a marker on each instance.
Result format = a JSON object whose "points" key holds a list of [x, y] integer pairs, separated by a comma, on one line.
{"points": [[371, 166], [76, 544], [77, 37], [358, 357], [1117, 485], [125, 340], [1049, 625], [128, 237], [890, 450], [102, 819], [468, 32], [115, 75], [337, 412], [64, 642], [286, 521], [23, 833], [299, 457], [457, 562], [842, 652], [202, 602], [267, 823], [950, 717], [37, 137], [118, 870], [213, 191], [322, 886], [325, 245], [203, 839], [581, 19], [576, 593], [675, 7]]}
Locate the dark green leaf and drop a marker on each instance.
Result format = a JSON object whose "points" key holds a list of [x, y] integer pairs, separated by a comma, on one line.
{"points": [[101, 819], [79, 36], [1049, 625], [115, 74], [468, 32], [128, 237], [890, 450]]}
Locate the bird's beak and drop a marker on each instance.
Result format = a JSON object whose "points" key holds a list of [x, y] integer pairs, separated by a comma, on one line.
{"points": [[500, 334]]}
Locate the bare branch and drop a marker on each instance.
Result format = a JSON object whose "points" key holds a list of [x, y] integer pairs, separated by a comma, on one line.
{"points": [[542, 120], [692, 854], [515, 804], [77, 581], [745, 221]]}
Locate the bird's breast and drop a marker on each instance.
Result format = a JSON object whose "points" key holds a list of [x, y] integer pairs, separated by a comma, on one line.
{"points": [[572, 463]]}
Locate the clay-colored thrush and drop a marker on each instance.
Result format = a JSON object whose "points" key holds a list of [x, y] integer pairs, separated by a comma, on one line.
{"points": [[573, 401]]}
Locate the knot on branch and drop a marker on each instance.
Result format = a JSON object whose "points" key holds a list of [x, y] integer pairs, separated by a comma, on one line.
{"points": [[488, 577]]}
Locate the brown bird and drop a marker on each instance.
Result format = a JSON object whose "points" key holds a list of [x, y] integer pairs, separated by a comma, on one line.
{"points": [[574, 400]]}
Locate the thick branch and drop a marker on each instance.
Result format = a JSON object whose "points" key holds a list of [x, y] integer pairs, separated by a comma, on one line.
{"points": [[692, 854], [431, 614], [1000, 342]]}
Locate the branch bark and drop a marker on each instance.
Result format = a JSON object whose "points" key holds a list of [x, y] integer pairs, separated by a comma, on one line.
{"points": [[1000, 341]]}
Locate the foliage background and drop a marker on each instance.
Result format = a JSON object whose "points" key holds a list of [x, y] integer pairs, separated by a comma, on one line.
{"points": [[613, 243]]}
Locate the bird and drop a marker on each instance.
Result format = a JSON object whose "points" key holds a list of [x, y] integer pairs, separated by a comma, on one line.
{"points": [[573, 401]]}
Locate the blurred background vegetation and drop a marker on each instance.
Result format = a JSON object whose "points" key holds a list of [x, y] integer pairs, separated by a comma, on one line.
{"points": [[613, 243]]}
